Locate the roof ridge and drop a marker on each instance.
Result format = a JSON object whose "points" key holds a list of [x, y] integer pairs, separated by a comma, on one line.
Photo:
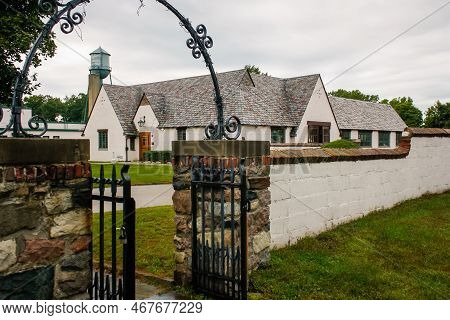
{"points": [[186, 78], [299, 77], [363, 101]]}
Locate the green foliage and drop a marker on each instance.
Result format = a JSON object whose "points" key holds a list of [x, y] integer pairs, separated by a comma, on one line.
{"points": [[20, 24], [141, 174], [254, 69], [400, 253], [355, 94], [70, 108], [407, 110], [341, 144], [438, 116], [158, 156]]}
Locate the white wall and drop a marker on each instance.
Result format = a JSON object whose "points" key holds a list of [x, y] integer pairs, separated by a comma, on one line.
{"points": [[318, 109], [310, 198], [104, 117]]}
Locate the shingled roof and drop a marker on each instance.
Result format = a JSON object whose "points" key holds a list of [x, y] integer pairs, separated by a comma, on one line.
{"points": [[189, 102], [363, 115], [125, 101]]}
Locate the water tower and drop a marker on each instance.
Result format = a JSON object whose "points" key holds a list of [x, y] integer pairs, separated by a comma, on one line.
{"points": [[100, 63], [99, 70]]}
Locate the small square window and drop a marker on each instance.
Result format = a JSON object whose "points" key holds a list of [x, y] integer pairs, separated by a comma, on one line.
{"points": [[103, 139], [278, 135], [181, 134], [366, 138], [398, 137], [346, 134], [133, 144], [384, 139]]}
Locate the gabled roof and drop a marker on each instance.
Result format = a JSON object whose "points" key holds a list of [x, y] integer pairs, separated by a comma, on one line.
{"points": [[189, 102], [363, 115], [125, 101]]}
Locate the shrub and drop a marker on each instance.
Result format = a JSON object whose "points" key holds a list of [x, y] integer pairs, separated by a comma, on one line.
{"points": [[158, 156], [341, 144]]}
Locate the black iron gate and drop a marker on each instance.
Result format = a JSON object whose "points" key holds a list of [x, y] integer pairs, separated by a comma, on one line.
{"points": [[219, 225], [109, 283]]}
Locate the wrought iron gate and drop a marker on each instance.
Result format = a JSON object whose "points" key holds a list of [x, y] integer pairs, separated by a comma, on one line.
{"points": [[107, 283], [219, 225]]}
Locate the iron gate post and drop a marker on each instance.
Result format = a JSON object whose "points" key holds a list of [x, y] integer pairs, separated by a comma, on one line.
{"points": [[129, 248], [244, 240]]}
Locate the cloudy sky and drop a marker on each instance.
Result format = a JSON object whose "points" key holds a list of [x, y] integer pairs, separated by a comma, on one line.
{"points": [[285, 38]]}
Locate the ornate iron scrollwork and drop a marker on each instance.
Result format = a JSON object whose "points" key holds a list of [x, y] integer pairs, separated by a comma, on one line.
{"points": [[59, 12], [199, 43], [203, 37]]}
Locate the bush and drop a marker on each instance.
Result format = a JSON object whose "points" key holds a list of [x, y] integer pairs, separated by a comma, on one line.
{"points": [[158, 156], [341, 144]]}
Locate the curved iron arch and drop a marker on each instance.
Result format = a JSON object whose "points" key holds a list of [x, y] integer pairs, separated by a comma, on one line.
{"points": [[199, 43]]}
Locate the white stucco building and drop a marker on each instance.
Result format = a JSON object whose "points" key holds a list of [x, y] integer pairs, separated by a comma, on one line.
{"points": [[127, 121]]}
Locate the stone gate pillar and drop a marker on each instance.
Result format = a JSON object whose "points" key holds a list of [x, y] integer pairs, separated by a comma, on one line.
{"points": [[45, 219], [257, 155]]}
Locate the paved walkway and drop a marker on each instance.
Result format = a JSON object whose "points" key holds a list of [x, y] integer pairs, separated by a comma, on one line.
{"points": [[145, 196], [149, 292]]}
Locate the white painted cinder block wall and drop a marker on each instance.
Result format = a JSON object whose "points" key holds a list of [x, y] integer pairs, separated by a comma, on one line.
{"points": [[310, 198]]}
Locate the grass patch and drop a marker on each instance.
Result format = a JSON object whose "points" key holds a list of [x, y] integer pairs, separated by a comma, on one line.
{"points": [[341, 144], [400, 253], [141, 174], [155, 229]]}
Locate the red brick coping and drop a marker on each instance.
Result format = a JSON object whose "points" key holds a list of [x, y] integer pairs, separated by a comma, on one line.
{"points": [[40, 173]]}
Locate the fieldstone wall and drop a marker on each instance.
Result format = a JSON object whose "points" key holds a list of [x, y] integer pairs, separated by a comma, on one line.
{"points": [[45, 231], [258, 181]]}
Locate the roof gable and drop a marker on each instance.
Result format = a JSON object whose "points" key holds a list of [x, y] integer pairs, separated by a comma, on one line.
{"points": [[125, 101]]}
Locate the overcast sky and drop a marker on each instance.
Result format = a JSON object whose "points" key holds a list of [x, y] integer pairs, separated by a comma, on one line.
{"points": [[285, 38]]}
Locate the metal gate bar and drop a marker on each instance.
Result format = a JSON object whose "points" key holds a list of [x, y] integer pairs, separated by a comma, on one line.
{"points": [[111, 286], [219, 266]]}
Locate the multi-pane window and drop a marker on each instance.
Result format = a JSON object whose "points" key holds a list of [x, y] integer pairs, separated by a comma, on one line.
{"points": [[181, 134], [133, 144], [384, 139], [56, 137], [398, 137], [278, 135], [103, 139], [366, 138], [326, 134], [346, 134], [318, 134]]}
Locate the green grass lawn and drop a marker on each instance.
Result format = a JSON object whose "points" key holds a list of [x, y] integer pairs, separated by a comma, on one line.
{"points": [[141, 174], [400, 253], [155, 229]]}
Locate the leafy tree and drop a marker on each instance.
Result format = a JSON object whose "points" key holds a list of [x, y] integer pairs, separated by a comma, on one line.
{"points": [[407, 110], [20, 24], [75, 107], [254, 69], [355, 94], [71, 108], [438, 115]]}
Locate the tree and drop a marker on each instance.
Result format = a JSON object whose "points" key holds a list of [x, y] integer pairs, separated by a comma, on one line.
{"points": [[71, 108], [438, 115], [355, 94], [407, 110], [254, 69], [20, 24], [75, 108]]}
